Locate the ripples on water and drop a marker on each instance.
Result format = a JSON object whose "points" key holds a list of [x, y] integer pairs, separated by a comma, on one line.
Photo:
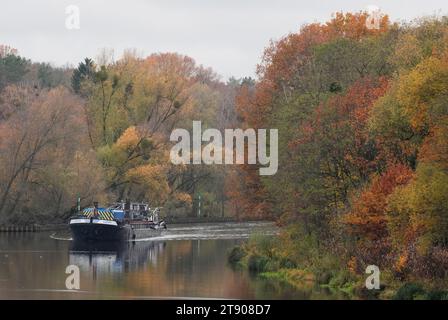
{"points": [[215, 231], [204, 231]]}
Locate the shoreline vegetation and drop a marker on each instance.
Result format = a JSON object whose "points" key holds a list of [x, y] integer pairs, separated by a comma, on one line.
{"points": [[260, 256], [362, 126]]}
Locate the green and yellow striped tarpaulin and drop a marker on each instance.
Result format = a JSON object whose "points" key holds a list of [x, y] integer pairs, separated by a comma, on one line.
{"points": [[103, 214]]}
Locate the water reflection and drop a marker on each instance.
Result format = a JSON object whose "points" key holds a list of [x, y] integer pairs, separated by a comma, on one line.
{"points": [[114, 257]]}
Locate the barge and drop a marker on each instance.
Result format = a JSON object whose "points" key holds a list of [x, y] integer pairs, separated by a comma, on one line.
{"points": [[122, 221]]}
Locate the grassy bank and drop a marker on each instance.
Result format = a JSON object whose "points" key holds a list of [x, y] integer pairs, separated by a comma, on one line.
{"points": [[309, 265]]}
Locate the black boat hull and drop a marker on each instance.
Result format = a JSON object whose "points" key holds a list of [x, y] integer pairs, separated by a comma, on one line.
{"points": [[99, 232], [86, 230]]}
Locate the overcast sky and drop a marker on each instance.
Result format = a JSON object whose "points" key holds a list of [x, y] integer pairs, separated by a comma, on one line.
{"points": [[227, 35]]}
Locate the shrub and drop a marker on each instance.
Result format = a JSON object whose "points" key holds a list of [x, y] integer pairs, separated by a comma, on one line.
{"points": [[257, 263], [437, 295], [265, 245], [409, 291], [236, 254]]}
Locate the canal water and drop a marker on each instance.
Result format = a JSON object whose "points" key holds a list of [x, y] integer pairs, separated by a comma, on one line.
{"points": [[187, 261]]}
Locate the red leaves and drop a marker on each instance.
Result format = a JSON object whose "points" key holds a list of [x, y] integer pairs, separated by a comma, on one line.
{"points": [[341, 124], [353, 25], [367, 218]]}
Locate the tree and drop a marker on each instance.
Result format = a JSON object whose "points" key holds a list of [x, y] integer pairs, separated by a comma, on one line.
{"points": [[12, 67], [418, 212], [85, 71], [38, 155]]}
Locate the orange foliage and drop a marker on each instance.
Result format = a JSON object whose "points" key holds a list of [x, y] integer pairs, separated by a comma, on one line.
{"points": [[401, 262], [367, 217], [352, 265], [248, 197]]}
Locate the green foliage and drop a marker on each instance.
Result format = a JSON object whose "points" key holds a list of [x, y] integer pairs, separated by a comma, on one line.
{"points": [[85, 71], [294, 277], [409, 291], [344, 61], [257, 263], [12, 69], [416, 291], [437, 295], [236, 254]]}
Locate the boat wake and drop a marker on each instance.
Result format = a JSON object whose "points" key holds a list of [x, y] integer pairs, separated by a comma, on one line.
{"points": [[215, 231], [204, 231], [173, 237], [61, 237]]}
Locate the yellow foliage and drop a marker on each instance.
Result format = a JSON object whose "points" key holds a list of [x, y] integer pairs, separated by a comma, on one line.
{"points": [[418, 212], [420, 89], [408, 52], [184, 197], [352, 265], [128, 139], [151, 180]]}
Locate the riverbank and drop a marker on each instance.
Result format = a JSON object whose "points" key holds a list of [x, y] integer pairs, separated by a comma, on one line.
{"points": [[310, 267], [31, 228]]}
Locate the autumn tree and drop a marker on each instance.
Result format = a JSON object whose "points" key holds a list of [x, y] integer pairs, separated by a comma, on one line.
{"points": [[40, 146]]}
